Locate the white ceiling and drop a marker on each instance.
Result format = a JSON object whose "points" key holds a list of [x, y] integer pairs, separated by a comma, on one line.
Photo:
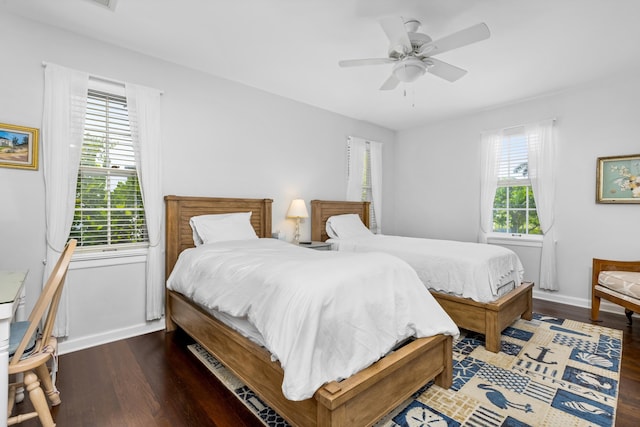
{"points": [[291, 47]]}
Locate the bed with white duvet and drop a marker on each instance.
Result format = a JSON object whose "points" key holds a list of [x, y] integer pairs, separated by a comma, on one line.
{"points": [[470, 270], [323, 315], [479, 285]]}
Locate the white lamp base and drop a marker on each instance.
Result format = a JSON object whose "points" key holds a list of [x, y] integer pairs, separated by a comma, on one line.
{"points": [[296, 236]]}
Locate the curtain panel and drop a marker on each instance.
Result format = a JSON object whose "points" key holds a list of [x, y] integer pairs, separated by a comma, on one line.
{"points": [[375, 149], [65, 103], [356, 148], [542, 152], [490, 158], [144, 116]]}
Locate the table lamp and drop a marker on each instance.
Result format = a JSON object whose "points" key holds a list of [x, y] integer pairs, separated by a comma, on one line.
{"points": [[297, 210]]}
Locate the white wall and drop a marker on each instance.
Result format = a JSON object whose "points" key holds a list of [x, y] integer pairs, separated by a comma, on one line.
{"points": [[219, 139], [437, 169]]}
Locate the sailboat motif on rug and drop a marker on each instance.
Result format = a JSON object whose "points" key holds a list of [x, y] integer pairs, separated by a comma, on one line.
{"points": [[549, 372]]}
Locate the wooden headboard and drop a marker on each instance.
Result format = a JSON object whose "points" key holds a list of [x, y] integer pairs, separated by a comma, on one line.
{"points": [[180, 209], [322, 210]]}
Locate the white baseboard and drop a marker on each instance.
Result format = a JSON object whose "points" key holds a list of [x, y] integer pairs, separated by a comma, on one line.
{"points": [[66, 345], [578, 302]]}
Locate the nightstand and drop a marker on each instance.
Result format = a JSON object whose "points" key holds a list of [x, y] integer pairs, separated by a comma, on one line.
{"points": [[319, 246]]}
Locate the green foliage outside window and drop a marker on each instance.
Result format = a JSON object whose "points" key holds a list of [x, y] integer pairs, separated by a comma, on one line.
{"points": [[109, 208], [514, 211], [108, 217]]}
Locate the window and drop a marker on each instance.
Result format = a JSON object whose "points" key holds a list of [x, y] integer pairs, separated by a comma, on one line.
{"points": [[367, 187], [514, 207], [108, 211]]}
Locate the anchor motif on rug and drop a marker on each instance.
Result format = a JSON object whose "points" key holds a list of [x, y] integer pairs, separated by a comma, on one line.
{"points": [[501, 401], [540, 357]]}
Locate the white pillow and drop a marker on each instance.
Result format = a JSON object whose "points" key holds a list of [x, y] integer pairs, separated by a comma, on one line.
{"points": [[346, 226], [222, 227]]}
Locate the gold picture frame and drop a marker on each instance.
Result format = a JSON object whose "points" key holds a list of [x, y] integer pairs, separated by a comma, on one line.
{"points": [[19, 147], [618, 179]]}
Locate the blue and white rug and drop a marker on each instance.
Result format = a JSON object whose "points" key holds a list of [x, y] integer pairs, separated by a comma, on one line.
{"points": [[550, 372]]}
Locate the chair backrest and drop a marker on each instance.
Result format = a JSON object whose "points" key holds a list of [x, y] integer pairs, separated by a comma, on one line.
{"points": [[47, 304]]}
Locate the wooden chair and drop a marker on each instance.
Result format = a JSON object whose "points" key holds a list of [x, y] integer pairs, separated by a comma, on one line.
{"points": [[617, 282], [37, 346]]}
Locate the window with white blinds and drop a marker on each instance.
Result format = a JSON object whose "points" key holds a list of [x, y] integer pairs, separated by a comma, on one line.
{"points": [[514, 208], [109, 211]]}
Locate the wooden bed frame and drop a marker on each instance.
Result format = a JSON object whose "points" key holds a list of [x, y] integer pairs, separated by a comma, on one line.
{"points": [[360, 400], [489, 319]]}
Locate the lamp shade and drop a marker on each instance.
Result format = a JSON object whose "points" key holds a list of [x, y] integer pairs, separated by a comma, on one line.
{"points": [[297, 209]]}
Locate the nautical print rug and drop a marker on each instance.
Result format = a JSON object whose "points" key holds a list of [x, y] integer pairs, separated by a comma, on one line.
{"points": [[550, 372]]}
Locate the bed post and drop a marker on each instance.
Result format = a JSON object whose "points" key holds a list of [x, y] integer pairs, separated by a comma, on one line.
{"points": [[171, 253]]}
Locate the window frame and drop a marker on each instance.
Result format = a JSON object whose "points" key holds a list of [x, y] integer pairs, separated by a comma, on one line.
{"points": [[110, 250], [509, 139], [366, 182]]}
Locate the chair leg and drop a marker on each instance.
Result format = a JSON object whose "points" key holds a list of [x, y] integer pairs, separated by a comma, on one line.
{"points": [[47, 385], [32, 385], [595, 308], [629, 313]]}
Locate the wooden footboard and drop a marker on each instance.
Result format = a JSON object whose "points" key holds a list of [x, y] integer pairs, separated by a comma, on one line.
{"points": [[359, 400], [491, 318]]}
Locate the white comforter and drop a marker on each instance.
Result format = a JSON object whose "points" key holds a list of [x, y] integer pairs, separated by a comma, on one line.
{"points": [[324, 315], [466, 269]]}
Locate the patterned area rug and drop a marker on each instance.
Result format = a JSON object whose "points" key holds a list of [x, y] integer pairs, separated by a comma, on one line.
{"points": [[550, 372]]}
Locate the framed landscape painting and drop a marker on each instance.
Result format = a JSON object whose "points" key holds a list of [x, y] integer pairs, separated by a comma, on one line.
{"points": [[18, 147], [618, 179]]}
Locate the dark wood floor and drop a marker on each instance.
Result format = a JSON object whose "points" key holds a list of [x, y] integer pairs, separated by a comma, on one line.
{"points": [[153, 380]]}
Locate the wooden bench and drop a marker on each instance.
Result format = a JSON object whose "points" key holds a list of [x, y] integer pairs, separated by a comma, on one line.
{"points": [[617, 282]]}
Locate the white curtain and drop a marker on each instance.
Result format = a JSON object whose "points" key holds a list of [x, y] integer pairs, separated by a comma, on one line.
{"points": [[542, 148], [144, 115], [375, 149], [65, 100], [490, 158], [356, 149]]}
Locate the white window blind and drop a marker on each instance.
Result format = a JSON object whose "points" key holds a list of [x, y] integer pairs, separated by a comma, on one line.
{"points": [[513, 166], [109, 209]]}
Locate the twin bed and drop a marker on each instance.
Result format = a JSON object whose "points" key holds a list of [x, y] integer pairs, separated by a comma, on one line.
{"points": [[478, 311], [364, 396]]}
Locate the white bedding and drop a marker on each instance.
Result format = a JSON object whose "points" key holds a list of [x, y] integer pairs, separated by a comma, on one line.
{"points": [[466, 269], [324, 315]]}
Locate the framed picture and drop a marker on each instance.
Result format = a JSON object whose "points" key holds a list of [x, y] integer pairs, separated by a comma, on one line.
{"points": [[18, 147], [618, 179]]}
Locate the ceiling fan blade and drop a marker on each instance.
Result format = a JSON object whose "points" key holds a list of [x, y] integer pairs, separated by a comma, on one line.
{"points": [[461, 38], [393, 27], [443, 70], [367, 61], [391, 83]]}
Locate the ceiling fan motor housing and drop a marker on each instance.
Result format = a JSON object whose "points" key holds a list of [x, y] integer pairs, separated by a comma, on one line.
{"points": [[417, 41]]}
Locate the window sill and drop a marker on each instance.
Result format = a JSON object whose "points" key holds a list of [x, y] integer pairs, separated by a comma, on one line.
{"points": [[89, 257], [515, 239]]}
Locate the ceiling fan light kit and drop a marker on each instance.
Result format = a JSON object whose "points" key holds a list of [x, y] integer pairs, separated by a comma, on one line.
{"points": [[412, 52], [409, 70]]}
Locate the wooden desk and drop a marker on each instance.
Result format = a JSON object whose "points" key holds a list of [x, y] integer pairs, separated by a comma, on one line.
{"points": [[11, 301]]}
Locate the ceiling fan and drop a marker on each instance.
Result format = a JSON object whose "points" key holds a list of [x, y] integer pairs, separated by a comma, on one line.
{"points": [[412, 53]]}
